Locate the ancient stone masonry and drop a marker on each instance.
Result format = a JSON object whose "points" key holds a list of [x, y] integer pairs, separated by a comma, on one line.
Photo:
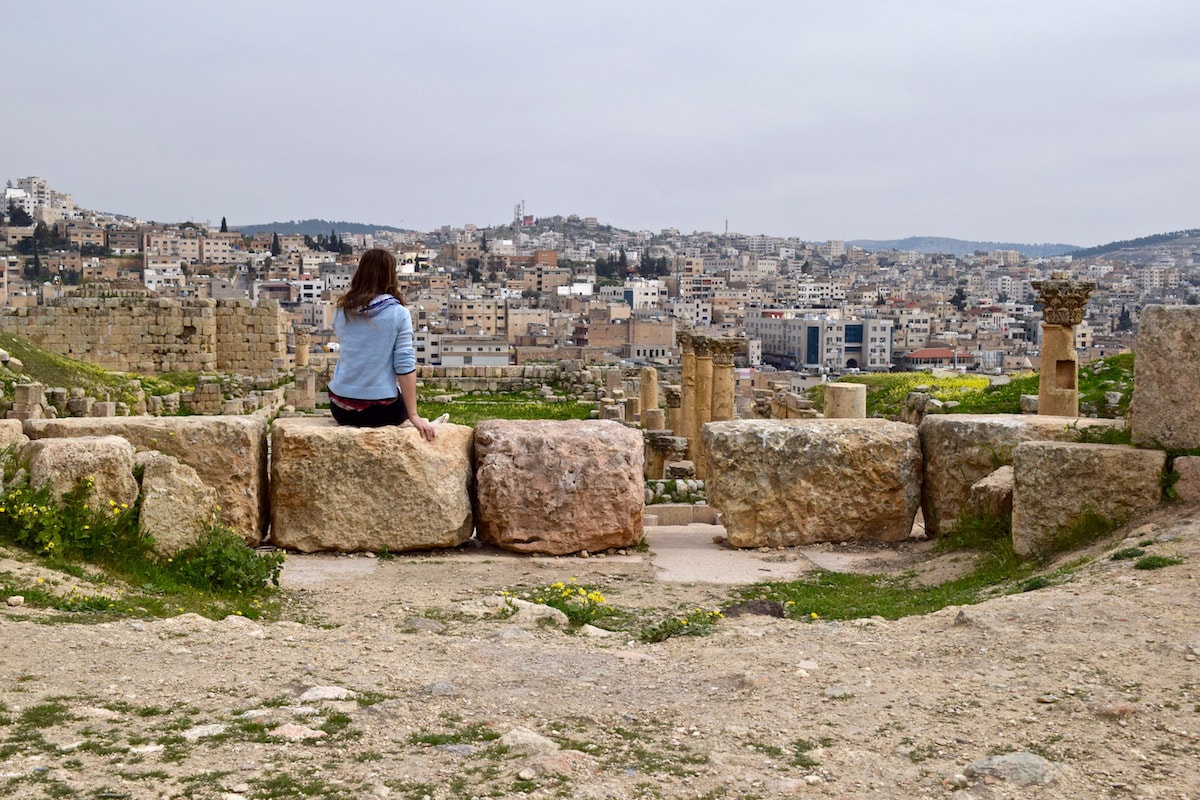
{"points": [[1058, 382], [1165, 412], [558, 487], [707, 390], [156, 335]]}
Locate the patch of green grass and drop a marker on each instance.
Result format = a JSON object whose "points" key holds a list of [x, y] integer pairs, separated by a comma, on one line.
{"points": [[800, 754], [982, 533], [469, 734], [975, 394], [1156, 562], [697, 622], [887, 391], [44, 715], [473, 409], [289, 786], [1035, 583], [336, 722], [1128, 552], [1085, 529], [1100, 434], [838, 595]]}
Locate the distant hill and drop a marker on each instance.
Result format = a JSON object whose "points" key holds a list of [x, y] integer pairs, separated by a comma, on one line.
{"points": [[1135, 244], [313, 227], [961, 247]]}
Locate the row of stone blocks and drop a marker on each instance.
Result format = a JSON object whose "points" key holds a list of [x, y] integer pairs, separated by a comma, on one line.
{"points": [[798, 482], [528, 486], [561, 487]]}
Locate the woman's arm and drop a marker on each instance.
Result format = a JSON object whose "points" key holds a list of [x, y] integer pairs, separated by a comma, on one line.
{"points": [[408, 394]]}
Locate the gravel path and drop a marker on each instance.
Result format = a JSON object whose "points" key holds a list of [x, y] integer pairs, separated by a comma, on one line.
{"points": [[396, 678]]}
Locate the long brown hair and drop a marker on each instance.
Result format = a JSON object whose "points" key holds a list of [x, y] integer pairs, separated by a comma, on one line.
{"points": [[376, 275]]}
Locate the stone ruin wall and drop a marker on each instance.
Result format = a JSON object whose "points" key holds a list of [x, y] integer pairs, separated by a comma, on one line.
{"points": [[151, 336]]}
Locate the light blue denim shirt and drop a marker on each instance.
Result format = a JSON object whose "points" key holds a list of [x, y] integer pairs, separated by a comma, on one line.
{"points": [[373, 352]]}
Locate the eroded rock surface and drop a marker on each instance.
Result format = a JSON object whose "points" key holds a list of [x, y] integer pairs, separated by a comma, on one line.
{"points": [[335, 487], [107, 461], [176, 504], [960, 449], [1163, 412], [228, 453], [1057, 484], [559, 487], [794, 482]]}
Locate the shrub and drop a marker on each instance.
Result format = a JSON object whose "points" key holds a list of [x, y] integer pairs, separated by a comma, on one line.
{"points": [[222, 562]]}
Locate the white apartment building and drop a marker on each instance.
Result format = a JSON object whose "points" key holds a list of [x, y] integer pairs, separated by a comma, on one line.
{"points": [[695, 311], [794, 340], [163, 277], [637, 293]]}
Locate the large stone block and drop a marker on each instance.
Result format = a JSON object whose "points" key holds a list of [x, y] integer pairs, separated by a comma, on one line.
{"points": [[349, 489], [794, 482], [228, 453], [105, 461], [1055, 484], [558, 487], [12, 435], [960, 449], [1164, 412], [176, 504]]}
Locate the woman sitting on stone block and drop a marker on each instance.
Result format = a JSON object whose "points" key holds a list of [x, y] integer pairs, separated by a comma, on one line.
{"points": [[375, 333]]}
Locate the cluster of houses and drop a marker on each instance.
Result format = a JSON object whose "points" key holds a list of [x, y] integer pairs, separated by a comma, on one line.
{"points": [[570, 287]]}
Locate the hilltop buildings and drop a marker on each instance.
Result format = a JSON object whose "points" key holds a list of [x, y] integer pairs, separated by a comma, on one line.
{"points": [[568, 286]]}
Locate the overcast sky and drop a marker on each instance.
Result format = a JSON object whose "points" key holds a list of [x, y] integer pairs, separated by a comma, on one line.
{"points": [[1027, 121]]}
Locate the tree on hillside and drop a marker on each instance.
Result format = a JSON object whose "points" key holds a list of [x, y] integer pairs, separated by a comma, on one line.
{"points": [[224, 226], [17, 216], [623, 263], [1125, 320], [959, 300], [276, 247]]}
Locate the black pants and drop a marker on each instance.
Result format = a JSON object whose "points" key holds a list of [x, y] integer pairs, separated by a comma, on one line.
{"points": [[376, 416]]}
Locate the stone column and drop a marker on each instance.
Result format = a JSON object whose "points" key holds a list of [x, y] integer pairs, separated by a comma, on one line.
{"points": [[654, 419], [661, 449], [1063, 301], [845, 401], [648, 388], [672, 397], [722, 378], [301, 346], [687, 407], [704, 388]]}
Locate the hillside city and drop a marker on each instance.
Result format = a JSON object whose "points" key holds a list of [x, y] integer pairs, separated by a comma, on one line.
{"points": [[561, 287]]}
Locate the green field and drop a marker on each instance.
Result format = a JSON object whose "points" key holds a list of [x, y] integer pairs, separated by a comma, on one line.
{"points": [[975, 394]]}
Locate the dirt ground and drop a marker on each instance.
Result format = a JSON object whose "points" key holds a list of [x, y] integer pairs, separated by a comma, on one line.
{"points": [[394, 678]]}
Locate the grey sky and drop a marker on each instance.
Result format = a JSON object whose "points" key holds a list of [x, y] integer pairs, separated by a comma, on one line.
{"points": [[1011, 121]]}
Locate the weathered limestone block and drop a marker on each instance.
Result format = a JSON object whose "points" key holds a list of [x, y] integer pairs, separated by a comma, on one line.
{"points": [[349, 489], [992, 496], [228, 453], [1057, 483], [176, 504], [960, 449], [558, 487], [1163, 412], [107, 461], [12, 435], [793, 482], [1187, 487], [845, 401]]}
